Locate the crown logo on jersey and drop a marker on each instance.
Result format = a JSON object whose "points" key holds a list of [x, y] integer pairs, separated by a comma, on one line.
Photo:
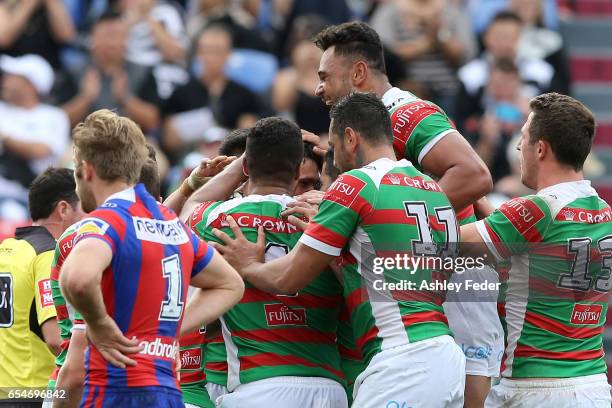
{"points": [[394, 179], [569, 215], [224, 222]]}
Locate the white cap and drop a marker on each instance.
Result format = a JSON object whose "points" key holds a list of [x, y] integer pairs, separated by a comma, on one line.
{"points": [[32, 67]]}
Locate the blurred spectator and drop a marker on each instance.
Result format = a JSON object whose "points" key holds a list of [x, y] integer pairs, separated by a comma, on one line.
{"points": [[434, 38], [293, 91], [483, 11], [511, 185], [501, 40], [502, 112], [157, 32], [33, 135], [157, 39], [540, 42], [111, 82], [232, 14], [35, 27], [210, 100]]}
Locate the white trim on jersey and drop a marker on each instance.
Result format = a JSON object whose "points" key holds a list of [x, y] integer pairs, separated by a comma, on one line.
{"points": [[129, 194], [386, 312], [517, 297], [233, 362], [319, 245], [482, 230], [430, 145]]}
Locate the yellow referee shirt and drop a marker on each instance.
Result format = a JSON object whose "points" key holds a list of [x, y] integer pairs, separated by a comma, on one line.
{"points": [[26, 303]]}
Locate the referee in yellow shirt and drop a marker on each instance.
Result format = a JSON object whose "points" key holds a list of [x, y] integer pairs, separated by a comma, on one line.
{"points": [[29, 334]]}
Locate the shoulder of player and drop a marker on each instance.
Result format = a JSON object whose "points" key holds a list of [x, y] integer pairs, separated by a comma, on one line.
{"points": [[527, 212]]}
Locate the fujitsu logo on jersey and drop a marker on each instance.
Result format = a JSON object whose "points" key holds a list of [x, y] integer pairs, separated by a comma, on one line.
{"points": [[586, 314], [163, 232], [158, 348], [282, 315], [344, 190], [191, 359], [522, 213]]}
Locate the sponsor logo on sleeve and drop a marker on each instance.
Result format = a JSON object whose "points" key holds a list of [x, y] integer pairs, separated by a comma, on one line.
{"points": [[344, 190], [169, 232], [191, 359], [586, 314], [282, 315], [522, 213], [44, 290], [92, 226]]}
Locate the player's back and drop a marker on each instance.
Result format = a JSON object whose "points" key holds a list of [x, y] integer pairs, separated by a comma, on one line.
{"points": [[397, 211], [275, 335], [144, 288], [557, 293]]}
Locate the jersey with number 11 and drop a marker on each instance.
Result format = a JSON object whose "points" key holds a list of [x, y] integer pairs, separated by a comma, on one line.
{"points": [[145, 287]]}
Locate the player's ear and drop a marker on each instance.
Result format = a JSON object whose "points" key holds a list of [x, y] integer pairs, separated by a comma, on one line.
{"points": [[360, 73], [63, 209], [245, 167], [351, 139], [543, 149], [88, 170]]}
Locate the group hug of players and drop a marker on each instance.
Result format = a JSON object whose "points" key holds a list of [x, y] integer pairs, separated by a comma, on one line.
{"points": [[270, 298]]}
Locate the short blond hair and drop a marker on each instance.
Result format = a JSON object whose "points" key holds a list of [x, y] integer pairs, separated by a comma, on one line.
{"points": [[113, 144]]}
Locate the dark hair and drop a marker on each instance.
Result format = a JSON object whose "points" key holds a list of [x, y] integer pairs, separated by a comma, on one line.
{"points": [[219, 27], [505, 16], [366, 114], [149, 176], [331, 171], [354, 40], [234, 144], [274, 149], [54, 185], [566, 124], [310, 154], [152, 152], [505, 65]]}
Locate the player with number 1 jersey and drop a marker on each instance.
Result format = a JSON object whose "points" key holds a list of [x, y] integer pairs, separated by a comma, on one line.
{"points": [[149, 244]]}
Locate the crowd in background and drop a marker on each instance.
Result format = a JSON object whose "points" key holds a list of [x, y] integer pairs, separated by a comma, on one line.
{"points": [[188, 72]]}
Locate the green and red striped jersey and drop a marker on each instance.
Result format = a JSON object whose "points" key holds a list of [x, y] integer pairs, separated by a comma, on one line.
{"points": [[67, 316], [193, 378], [270, 335], [215, 361], [384, 209], [560, 245]]}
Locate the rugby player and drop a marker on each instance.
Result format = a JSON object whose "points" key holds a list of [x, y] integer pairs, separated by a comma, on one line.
{"points": [[281, 349], [422, 133], [559, 241], [405, 343], [129, 271]]}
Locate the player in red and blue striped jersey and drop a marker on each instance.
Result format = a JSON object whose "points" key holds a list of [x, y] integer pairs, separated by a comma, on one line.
{"points": [[129, 271]]}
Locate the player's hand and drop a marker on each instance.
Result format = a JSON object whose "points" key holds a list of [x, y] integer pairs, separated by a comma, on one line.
{"points": [[108, 339], [239, 251], [300, 213], [314, 197], [212, 167], [310, 137]]}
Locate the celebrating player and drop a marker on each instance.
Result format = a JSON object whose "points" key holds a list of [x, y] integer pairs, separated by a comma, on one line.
{"points": [[378, 204], [560, 241], [281, 349], [129, 271], [422, 133]]}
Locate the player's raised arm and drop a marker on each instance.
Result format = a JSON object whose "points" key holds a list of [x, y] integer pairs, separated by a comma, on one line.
{"points": [[220, 288], [80, 282], [463, 175]]}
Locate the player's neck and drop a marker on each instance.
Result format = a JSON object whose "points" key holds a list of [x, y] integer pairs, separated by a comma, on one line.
{"points": [[379, 84], [55, 227], [556, 175], [106, 189], [372, 153], [268, 189]]}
